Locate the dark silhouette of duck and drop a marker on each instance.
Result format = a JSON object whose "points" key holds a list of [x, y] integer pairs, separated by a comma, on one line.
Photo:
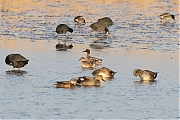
{"points": [[63, 29], [106, 21], [99, 27], [16, 60]]}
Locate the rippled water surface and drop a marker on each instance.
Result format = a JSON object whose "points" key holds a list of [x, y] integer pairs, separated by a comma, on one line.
{"points": [[138, 39]]}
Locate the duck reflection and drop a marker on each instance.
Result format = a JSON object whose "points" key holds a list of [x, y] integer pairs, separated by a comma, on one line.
{"points": [[63, 47], [16, 72], [145, 82]]}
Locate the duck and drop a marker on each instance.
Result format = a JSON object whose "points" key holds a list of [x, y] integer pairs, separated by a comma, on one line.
{"points": [[89, 81], [105, 72], [16, 60], [167, 16], [100, 27], [63, 29], [106, 21], [86, 64], [66, 84], [97, 61], [79, 20], [145, 75]]}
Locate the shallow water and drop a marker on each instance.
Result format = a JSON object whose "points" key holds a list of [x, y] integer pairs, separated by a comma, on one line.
{"points": [[138, 39]]}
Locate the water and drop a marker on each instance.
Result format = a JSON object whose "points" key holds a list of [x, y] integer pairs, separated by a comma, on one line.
{"points": [[138, 39]]}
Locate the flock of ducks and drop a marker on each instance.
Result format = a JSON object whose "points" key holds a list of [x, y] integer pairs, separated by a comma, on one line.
{"points": [[101, 74]]}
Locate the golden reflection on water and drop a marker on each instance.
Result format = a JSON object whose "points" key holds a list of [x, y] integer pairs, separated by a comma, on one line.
{"points": [[23, 5]]}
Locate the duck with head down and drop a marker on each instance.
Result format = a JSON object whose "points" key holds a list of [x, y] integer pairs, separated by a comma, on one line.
{"points": [[89, 81], [145, 75], [16, 60], [105, 72]]}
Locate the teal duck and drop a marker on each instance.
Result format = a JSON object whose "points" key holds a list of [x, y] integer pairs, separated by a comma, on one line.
{"points": [[105, 72], [89, 81], [145, 75], [66, 84], [86, 64], [97, 61]]}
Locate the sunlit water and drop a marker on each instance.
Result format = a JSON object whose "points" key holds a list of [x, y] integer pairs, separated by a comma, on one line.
{"points": [[138, 39]]}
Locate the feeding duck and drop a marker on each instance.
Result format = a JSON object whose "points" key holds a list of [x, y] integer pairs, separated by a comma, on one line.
{"points": [[89, 81], [16, 60], [145, 75], [63, 29], [105, 72]]}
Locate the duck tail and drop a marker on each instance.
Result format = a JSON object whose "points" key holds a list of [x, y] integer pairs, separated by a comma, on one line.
{"points": [[155, 75]]}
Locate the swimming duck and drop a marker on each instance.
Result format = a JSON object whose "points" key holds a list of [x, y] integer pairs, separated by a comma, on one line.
{"points": [[79, 20], [66, 84], [167, 16], [86, 64], [97, 61], [145, 75], [89, 81], [105, 72], [16, 60], [62, 29], [106, 21]]}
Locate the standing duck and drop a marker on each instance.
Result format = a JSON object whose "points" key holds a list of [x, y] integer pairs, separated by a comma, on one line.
{"points": [[97, 61], [62, 29], [105, 72], [16, 60], [167, 16], [86, 64], [89, 81], [145, 75], [66, 84], [99, 26], [79, 20], [105, 21]]}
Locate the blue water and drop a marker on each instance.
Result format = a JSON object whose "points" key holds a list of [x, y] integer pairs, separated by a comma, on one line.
{"points": [[138, 39]]}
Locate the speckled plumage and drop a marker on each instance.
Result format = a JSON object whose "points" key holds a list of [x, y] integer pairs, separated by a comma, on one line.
{"points": [[105, 72]]}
